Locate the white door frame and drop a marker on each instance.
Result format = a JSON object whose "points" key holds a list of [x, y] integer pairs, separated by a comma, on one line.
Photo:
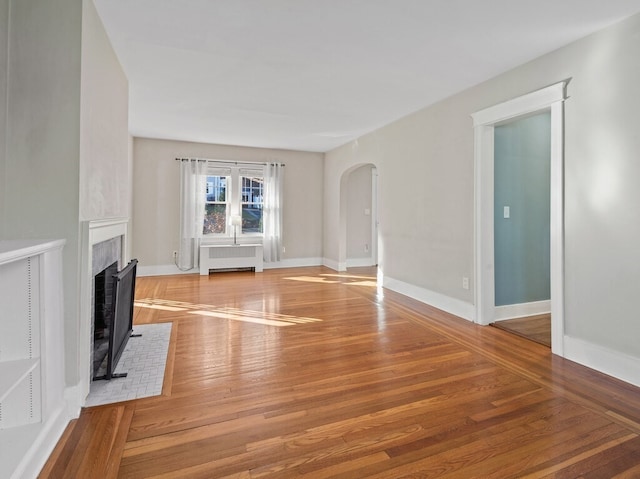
{"points": [[547, 99]]}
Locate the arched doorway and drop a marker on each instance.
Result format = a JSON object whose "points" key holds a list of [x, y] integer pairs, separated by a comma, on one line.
{"points": [[358, 238]]}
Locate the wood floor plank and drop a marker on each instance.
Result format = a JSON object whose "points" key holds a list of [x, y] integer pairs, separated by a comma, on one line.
{"points": [[94, 446], [306, 372]]}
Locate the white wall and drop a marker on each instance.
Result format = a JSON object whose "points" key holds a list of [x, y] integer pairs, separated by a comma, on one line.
{"points": [[104, 128], [156, 199], [60, 128], [602, 196], [43, 138], [425, 163], [4, 37]]}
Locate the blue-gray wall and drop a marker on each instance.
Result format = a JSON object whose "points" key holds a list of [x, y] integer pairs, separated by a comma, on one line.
{"points": [[521, 175]]}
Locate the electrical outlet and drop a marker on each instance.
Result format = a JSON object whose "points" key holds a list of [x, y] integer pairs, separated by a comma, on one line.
{"points": [[366, 248], [284, 250], [175, 254], [465, 282]]}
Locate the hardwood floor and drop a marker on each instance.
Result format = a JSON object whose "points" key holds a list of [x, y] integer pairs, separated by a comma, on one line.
{"points": [[309, 373], [536, 328]]}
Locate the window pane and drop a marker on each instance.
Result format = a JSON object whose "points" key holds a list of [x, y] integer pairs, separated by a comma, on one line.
{"points": [[217, 188], [252, 190], [215, 218], [252, 218], [215, 215], [252, 204]]}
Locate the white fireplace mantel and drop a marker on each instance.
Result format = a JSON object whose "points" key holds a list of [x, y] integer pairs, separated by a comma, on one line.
{"points": [[103, 230], [92, 233]]}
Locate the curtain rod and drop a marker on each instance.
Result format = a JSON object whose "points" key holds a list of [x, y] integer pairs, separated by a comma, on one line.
{"points": [[226, 161]]}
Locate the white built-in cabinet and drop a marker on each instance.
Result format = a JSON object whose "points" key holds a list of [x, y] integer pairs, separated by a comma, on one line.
{"points": [[32, 405]]}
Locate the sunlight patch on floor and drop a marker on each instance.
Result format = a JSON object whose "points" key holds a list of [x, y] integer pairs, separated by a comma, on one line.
{"points": [[350, 276], [159, 306], [245, 318], [362, 283], [311, 279], [234, 314], [337, 278]]}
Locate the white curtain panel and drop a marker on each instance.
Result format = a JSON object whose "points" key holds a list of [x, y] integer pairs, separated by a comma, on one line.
{"points": [[192, 198], [272, 214]]}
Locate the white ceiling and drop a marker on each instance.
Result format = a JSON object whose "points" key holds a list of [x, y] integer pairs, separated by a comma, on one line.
{"points": [[314, 74]]}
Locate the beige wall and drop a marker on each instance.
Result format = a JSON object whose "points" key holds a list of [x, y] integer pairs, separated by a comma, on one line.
{"points": [[104, 128], [425, 163], [425, 191], [156, 197]]}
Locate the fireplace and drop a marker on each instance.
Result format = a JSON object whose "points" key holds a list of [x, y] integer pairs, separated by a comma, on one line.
{"points": [[103, 242]]}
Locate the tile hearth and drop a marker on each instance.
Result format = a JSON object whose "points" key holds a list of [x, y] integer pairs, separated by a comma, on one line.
{"points": [[144, 360]]}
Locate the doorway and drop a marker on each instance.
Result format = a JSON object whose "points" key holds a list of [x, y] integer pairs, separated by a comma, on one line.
{"points": [[549, 100], [359, 207], [522, 161]]}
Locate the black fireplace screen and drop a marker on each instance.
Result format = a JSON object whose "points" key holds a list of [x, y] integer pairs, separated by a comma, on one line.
{"points": [[114, 320]]}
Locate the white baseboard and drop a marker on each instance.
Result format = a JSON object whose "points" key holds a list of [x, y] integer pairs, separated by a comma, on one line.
{"points": [[450, 305], [169, 269], [607, 361], [42, 447], [360, 262], [74, 400], [163, 270], [512, 311], [293, 263]]}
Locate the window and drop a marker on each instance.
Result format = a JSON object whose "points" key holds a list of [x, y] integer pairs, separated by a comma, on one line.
{"points": [[233, 191], [252, 202], [216, 209]]}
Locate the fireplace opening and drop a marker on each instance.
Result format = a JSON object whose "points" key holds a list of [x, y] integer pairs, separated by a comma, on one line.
{"points": [[113, 317]]}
